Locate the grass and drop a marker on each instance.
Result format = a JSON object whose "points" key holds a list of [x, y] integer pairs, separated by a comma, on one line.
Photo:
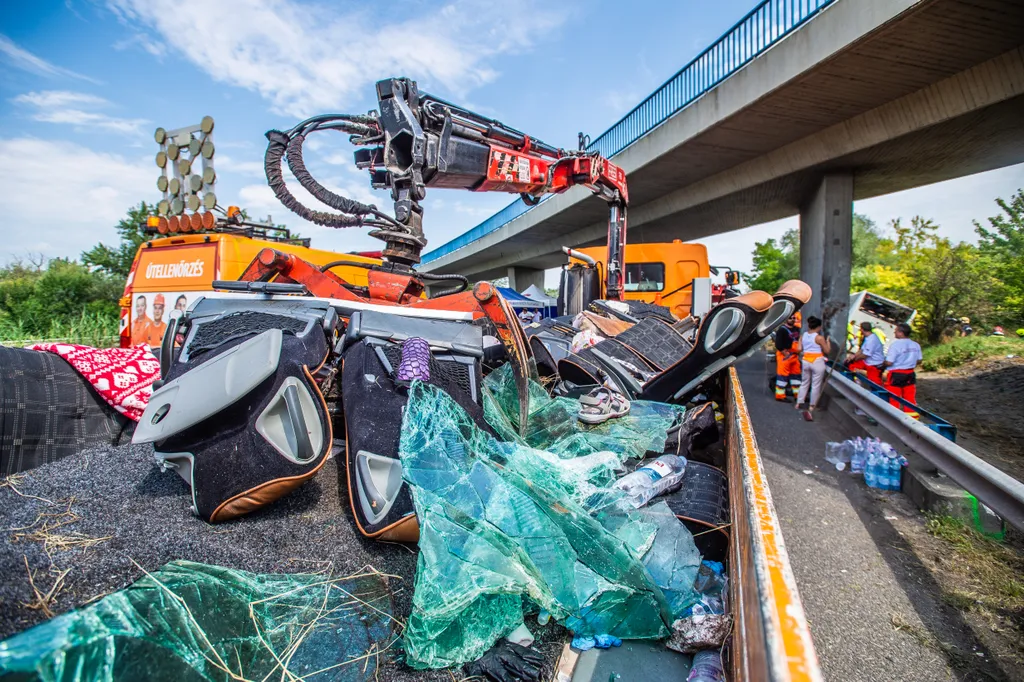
{"points": [[88, 329], [990, 574], [964, 349]]}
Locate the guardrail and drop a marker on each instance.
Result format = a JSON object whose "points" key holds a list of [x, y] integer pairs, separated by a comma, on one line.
{"points": [[764, 26], [929, 419], [1001, 492]]}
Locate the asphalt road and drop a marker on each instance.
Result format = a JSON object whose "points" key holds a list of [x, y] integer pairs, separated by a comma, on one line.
{"points": [[874, 610]]}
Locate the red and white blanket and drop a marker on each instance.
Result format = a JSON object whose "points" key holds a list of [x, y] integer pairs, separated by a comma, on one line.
{"points": [[122, 376]]}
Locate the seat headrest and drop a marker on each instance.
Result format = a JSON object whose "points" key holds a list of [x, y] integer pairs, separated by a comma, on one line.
{"points": [[796, 289], [757, 301]]}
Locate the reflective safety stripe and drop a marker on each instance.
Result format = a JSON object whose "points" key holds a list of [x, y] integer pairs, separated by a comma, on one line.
{"points": [[790, 655]]}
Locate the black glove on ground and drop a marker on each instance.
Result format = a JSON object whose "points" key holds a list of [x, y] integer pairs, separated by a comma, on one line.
{"points": [[508, 662]]}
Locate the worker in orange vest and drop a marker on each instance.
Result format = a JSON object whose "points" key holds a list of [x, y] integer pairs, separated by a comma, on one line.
{"points": [[140, 322], [787, 357], [158, 326]]}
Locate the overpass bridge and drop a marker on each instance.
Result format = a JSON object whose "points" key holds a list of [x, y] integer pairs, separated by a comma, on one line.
{"points": [[801, 108]]}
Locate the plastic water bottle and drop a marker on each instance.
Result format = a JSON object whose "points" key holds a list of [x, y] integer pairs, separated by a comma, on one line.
{"points": [[707, 667], [884, 471], [660, 476], [857, 457], [871, 470], [895, 472]]}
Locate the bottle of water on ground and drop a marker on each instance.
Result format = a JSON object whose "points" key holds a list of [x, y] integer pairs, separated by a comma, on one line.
{"points": [[707, 667], [660, 476], [871, 469], [857, 458]]}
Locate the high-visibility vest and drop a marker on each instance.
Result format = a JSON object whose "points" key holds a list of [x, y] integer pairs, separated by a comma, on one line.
{"points": [[881, 337], [852, 337]]}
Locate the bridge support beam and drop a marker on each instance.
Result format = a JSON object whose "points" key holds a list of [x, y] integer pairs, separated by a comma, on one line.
{"points": [[826, 251], [521, 278]]}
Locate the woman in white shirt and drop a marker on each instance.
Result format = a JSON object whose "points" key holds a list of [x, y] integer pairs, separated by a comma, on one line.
{"points": [[815, 348]]}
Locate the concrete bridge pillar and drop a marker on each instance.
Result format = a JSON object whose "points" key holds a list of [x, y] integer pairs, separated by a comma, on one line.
{"points": [[826, 251], [520, 278]]}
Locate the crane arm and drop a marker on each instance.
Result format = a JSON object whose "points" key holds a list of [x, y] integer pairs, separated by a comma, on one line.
{"points": [[416, 140]]}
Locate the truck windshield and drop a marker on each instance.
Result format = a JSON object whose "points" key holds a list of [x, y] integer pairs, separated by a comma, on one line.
{"points": [[645, 276]]}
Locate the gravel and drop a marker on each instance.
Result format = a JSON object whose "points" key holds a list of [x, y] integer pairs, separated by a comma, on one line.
{"points": [[120, 494]]}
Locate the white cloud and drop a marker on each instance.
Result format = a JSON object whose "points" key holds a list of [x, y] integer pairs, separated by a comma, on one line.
{"points": [[143, 41], [77, 109], [23, 59], [60, 198], [308, 59], [59, 98], [230, 165], [260, 202]]}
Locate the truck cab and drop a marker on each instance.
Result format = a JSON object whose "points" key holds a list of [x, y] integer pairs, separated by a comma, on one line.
{"points": [[658, 273], [169, 273]]}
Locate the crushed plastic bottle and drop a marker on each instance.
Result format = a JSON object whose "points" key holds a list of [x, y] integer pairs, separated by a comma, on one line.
{"points": [[710, 586], [858, 456], [595, 642], [707, 667], [839, 454], [660, 476]]}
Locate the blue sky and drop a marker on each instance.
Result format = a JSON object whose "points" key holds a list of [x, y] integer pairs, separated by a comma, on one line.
{"points": [[83, 84]]}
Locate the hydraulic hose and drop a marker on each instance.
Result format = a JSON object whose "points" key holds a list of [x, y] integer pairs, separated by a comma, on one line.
{"points": [[351, 263], [278, 145], [463, 283], [321, 193]]}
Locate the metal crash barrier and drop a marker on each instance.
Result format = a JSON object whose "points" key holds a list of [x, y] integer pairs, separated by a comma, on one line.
{"points": [[1002, 493], [929, 419], [772, 640]]}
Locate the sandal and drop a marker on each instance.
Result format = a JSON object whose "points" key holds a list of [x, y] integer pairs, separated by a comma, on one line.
{"points": [[602, 404]]}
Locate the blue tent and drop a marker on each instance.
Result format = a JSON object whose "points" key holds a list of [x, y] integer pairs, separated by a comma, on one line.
{"points": [[518, 301]]}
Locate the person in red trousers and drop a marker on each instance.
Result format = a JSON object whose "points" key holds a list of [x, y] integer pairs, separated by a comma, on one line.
{"points": [[901, 362]]}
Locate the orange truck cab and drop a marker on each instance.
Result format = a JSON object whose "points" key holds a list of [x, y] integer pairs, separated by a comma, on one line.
{"points": [[660, 273], [171, 272]]}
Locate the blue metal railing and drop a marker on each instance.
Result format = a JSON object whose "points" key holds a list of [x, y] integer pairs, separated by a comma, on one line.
{"points": [[764, 26]]}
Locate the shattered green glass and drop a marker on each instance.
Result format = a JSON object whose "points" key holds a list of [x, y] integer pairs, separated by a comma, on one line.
{"points": [[190, 622], [553, 425], [500, 521]]}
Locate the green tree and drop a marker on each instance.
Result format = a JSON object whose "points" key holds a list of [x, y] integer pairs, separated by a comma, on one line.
{"points": [[775, 262], [38, 298], [943, 280], [1002, 245], [867, 240], [117, 260]]}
